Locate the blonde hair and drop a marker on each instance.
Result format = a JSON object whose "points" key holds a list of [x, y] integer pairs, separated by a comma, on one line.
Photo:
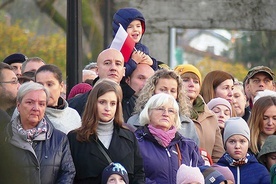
{"points": [[149, 88], [255, 121]]}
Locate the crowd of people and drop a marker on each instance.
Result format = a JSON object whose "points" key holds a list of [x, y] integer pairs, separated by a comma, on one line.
{"points": [[135, 121]]}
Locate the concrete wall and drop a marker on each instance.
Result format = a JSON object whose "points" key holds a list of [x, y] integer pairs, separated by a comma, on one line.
{"points": [[161, 15]]}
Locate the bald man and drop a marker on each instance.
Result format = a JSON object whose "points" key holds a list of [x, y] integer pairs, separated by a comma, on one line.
{"points": [[110, 64], [135, 82]]}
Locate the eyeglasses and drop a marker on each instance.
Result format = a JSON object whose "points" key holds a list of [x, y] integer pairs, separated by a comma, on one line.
{"points": [[15, 81], [163, 110]]}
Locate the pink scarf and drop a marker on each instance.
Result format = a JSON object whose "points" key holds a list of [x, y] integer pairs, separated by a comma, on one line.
{"points": [[162, 137]]}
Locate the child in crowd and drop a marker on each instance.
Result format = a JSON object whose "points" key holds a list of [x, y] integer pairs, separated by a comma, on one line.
{"points": [[187, 174], [243, 164], [133, 22], [226, 172], [222, 109], [267, 155], [213, 176], [115, 173]]}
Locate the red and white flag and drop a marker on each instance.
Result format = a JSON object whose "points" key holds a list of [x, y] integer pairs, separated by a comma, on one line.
{"points": [[123, 42]]}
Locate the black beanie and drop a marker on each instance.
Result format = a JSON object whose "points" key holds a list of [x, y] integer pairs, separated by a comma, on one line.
{"points": [[114, 168]]}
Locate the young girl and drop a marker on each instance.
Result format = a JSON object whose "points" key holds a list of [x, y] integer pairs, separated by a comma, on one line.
{"points": [[133, 22], [102, 139], [115, 173], [222, 109], [243, 164]]}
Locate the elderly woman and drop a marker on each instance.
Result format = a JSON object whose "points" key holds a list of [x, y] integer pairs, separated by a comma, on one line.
{"points": [[166, 81], [41, 151], [163, 149]]}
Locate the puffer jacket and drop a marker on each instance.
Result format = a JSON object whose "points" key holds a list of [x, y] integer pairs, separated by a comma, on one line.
{"points": [[46, 160], [250, 173], [160, 163], [187, 128]]}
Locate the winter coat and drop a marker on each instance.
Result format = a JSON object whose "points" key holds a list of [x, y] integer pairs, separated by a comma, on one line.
{"points": [[78, 102], [46, 160], [247, 114], [250, 173], [209, 134], [4, 120], [90, 161], [64, 119], [125, 16], [187, 128], [160, 163], [129, 100]]}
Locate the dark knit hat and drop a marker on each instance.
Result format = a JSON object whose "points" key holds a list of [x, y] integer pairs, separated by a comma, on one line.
{"points": [[211, 175], [114, 168], [15, 58]]}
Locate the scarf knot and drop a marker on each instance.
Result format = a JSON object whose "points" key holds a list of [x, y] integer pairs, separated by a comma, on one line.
{"points": [[233, 162], [164, 138], [30, 134]]}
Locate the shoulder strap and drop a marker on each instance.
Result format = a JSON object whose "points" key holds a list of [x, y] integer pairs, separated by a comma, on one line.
{"points": [[104, 152], [178, 155]]}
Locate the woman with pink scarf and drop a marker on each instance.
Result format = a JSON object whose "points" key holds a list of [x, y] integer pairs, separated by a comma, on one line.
{"points": [[163, 149]]}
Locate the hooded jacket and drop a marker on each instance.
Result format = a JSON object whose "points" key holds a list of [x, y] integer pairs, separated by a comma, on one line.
{"points": [[160, 163], [251, 173], [125, 16], [268, 147], [47, 160]]}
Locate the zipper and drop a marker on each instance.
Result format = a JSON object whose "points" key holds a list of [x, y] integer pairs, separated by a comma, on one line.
{"points": [[168, 153]]}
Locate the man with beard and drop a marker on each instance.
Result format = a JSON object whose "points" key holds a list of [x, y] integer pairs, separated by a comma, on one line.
{"points": [[8, 91]]}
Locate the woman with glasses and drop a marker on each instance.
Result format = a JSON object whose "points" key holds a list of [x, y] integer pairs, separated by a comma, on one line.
{"points": [[164, 149], [166, 81]]}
